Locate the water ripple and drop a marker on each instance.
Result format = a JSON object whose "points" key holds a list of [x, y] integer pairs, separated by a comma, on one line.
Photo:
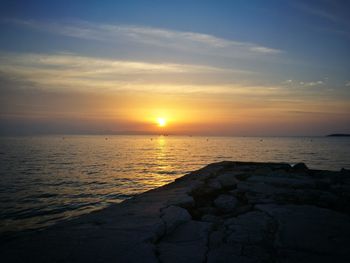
{"points": [[46, 179]]}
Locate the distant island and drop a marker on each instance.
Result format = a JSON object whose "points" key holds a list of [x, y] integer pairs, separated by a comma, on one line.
{"points": [[339, 135]]}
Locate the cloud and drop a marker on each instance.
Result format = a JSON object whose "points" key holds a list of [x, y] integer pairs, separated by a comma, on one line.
{"points": [[296, 83], [264, 50], [288, 81], [323, 13], [311, 83], [347, 84], [66, 70], [150, 36], [333, 13], [69, 61]]}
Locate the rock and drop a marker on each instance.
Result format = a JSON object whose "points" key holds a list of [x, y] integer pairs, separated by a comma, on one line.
{"points": [[258, 253], [173, 216], [311, 229], [258, 198], [262, 188], [214, 184], [207, 210], [239, 194], [188, 243], [280, 166], [216, 238], [183, 200], [327, 199], [250, 228], [280, 173], [211, 218], [300, 167], [345, 172], [228, 254], [242, 176], [227, 180], [242, 212], [193, 186], [243, 209], [207, 172], [300, 182], [294, 256], [226, 203], [263, 171], [205, 189]]}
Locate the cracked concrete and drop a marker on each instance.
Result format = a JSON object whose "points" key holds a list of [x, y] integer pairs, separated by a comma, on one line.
{"points": [[224, 212]]}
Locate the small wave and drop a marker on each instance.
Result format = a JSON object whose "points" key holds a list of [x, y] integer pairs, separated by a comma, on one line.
{"points": [[95, 183], [44, 195], [167, 172], [64, 163], [44, 211], [223, 157], [82, 195], [73, 183], [118, 196], [91, 172]]}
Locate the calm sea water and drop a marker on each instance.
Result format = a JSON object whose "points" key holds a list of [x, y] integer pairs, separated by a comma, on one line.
{"points": [[50, 178]]}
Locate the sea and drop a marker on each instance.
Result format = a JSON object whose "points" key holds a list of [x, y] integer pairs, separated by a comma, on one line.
{"points": [[47, 179]]}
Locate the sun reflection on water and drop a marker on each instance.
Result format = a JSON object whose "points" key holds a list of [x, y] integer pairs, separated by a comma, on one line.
{"points": [[47, 178]]}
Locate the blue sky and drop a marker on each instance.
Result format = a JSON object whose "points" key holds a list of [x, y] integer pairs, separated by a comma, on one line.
{"points": [[278, 56]]}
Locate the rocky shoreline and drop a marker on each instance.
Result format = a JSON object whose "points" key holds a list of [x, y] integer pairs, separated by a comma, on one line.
{"points": [[224, 212]]}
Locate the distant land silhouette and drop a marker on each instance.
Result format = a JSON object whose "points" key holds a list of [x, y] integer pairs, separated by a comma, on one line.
{"points": [[339, 135]]}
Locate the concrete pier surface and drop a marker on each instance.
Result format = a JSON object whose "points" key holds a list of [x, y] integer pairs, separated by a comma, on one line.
{"points": [[224, 212]]}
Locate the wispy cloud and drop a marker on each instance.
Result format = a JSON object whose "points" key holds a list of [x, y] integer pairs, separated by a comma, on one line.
{"points": [[290, 82], [69, 62], [71, 72], [65, 70], [311, 83], [323, 13], [347, 84], [328, 11], [159, 37]]}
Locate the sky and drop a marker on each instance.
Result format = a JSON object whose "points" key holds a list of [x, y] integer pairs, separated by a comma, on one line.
{"points": [[233, 68]]}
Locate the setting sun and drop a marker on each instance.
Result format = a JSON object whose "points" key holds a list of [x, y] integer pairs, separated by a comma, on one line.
{"points": [[161, 122]]}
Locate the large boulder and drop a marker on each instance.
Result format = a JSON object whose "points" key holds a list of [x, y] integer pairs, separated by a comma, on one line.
{"points": [[300, 167], [226, 203], [183, 200], [311, 229], [227, 180], [173, 216], [188, 243], [250, 228]]}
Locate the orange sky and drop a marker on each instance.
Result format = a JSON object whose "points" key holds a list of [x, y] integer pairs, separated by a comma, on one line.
{"points": [[209, 68], [236, 110]]}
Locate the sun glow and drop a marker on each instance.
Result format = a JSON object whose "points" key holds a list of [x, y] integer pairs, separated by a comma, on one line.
{"points": [[161, 122]]}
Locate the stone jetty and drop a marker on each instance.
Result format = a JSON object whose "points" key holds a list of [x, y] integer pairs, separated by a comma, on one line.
{"points": [[225, 212]]}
